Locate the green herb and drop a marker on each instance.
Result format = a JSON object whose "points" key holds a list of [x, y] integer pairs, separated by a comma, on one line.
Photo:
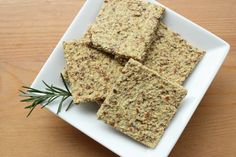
{"points": [[37, 97]]}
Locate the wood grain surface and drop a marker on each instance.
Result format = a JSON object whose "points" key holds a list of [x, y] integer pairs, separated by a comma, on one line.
{"points": [[30, 29]]}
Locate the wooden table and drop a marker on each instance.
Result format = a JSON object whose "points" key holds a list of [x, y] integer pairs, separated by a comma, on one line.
{"points": [[30, 29]]}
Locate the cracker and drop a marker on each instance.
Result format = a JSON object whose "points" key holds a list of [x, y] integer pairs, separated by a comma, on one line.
{"points": [[90, 72], [125, 28], [141, 103], [171, 56]]}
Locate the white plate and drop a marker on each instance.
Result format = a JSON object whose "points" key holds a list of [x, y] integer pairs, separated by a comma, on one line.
{"points": [[83, 117]]}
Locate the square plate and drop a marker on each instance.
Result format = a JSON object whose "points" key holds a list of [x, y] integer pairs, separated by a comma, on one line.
{"points": [[83, 116]]}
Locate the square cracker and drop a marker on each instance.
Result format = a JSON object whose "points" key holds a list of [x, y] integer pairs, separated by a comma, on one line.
{"points": [[125, 28], [89, 72], [141, 103], [171, 56]]}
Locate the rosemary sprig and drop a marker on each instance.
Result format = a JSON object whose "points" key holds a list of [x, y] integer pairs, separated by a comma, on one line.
{"points": [[37, 97]]}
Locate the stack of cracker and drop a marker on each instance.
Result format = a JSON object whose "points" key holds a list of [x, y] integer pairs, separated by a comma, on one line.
{"points": [[134, 66]]}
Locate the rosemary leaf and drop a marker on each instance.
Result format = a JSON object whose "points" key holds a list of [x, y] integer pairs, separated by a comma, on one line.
{"points": [[31, 109], [49, 101], [60, 105], [70, 104]]}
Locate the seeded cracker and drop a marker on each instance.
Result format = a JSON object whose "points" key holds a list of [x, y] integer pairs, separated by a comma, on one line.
{"points": [[171, 56], [141, 103], [90, 73], [125, 28]]}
